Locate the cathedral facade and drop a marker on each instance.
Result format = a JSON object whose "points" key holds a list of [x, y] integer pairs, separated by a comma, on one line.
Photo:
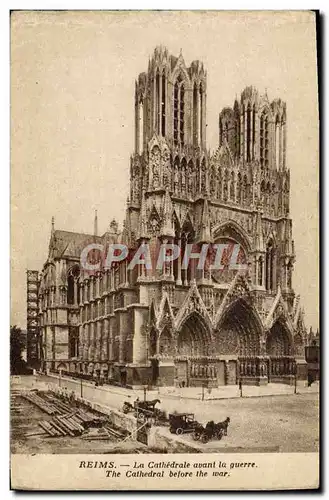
{"points": [[177, 325]]}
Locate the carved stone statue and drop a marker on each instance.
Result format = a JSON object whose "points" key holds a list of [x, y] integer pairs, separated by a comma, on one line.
{"points": [[155, 165]]}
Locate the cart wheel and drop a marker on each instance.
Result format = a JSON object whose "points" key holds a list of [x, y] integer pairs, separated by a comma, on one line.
{"points": [[204, 438], [141, 417], [196, 436], [125, 409], [179, 431]]}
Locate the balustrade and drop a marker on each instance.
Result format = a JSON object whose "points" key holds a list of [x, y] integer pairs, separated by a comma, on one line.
{"points": [[203, 371], [281, 365], [274, 366]]}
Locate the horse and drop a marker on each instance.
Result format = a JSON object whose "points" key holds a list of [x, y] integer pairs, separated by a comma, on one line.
{"points": [[153, 402], [223, 425], [146, 404]]}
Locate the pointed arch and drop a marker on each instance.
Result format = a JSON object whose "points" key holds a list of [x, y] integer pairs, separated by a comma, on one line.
{"points": [[187, 224], [180, 72], [73, 289], [165, 314], [234, 230], [194, 336], [193, 303], [239, 330], [279, 339]]}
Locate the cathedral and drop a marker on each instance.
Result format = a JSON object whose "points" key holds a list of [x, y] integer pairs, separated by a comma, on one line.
{"points": [[176, 325]]}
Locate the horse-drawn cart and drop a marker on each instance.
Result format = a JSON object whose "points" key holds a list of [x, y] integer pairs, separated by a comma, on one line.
{"points": [[210, 431], [144, 410]]}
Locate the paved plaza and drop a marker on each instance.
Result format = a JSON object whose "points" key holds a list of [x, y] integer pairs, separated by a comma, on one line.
{"points": [[268, 419]]}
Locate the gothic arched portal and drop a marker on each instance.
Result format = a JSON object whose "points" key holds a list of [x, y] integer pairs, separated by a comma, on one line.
{"points": [[278, 342], [239, 331], [193, 340]]}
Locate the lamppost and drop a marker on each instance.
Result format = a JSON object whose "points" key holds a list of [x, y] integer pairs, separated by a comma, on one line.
{"points": [[295, 373], [240, 387], [81, 386], [145, 389]]}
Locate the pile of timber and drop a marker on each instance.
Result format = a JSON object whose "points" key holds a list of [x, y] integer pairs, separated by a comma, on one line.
{"points": [[63, 425], [67, 420], [45, 406], [60, 405], [106, 433], [70, 424], [52, 405]]}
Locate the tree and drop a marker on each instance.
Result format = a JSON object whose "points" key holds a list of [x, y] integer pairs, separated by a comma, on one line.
{"points": [[17, 344]]}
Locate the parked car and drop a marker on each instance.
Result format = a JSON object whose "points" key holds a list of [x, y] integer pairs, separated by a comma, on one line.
{"points": [[181, 423]]}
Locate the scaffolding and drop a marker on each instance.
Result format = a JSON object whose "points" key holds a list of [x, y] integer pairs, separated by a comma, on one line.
{"points": [[32, 320]]}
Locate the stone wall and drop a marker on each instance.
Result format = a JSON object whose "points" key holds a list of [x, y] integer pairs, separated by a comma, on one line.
{"points": [[160, 438]]}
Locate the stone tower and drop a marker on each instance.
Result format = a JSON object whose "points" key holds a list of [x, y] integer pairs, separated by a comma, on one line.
{"points": [[175, 323]]}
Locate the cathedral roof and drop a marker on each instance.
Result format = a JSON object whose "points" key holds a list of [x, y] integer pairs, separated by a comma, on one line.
{"points": [[70, 244]]}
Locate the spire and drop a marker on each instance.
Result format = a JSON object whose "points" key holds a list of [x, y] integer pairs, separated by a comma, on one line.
{"points": [[167, 226], [96, 224], [52, 239], [143, 218], [205, 231]]}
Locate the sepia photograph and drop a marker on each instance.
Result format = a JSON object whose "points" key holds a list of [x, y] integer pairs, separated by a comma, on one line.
{"points": [[164, 329]]}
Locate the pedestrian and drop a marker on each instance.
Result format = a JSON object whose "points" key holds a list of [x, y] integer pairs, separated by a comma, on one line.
{"points": [[310, 379]]}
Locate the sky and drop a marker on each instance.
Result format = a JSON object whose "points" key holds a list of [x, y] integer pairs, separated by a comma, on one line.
{"points": [[72, 117]]}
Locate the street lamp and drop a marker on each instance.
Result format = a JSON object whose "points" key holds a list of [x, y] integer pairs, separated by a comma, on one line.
{"points": [[202, 394], [81, 385], [240, 387], [295, 370]]}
